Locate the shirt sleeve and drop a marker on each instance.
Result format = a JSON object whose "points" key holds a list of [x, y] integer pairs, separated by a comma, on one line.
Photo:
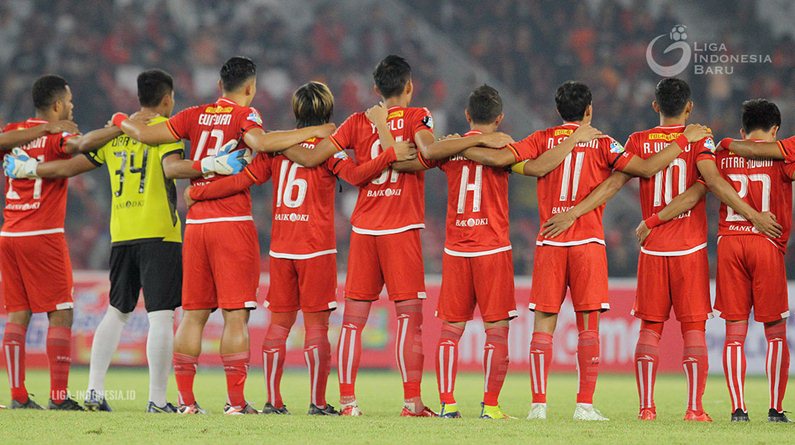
{"points": [[343, 135], [789, 169], [172, 148], [251, 120], [787, 147], [260, 169], [422, 121], [615, 153], [529, 147], [705, 149], [59, 144], [179, 123], [97, 157], [226, 186], [360, 174]]}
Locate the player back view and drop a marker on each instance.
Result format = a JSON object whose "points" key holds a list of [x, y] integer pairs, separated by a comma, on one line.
{"points": [[385, 244]]}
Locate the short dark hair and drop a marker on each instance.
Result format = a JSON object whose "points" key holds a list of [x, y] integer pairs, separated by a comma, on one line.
{"points": [[572, 99], [391, 76], [672, 96], [313, 104], [48, 89], [237, 71], [485, 105], [153, 85], [760, 114]]}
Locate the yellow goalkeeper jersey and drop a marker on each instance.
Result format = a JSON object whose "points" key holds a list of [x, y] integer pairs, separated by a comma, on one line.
{"points": [[143, 200]]}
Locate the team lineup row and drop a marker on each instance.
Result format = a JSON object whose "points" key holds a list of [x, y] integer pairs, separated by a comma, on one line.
{"points": [[217, 265]]}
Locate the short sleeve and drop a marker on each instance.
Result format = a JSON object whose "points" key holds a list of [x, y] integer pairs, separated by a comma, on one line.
{"points": [[251, 120], [529, 147], [787, 147], [97, 157], [789, 169], [260, 168], [179, 123], [59, 144], [616, 155], [423, 121], [172, 148], [343, 135], [705, 150]]}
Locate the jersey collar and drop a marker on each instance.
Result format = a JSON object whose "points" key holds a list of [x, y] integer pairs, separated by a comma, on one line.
{"points": [[570, 124], [227, 100], [472, 133], [35, 120]]}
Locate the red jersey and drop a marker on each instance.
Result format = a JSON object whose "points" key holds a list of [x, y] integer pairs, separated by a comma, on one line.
{"points": [[787, 147], [209, 127], [394, 201], [477, 207], [687, 232], [36, 206], [587, 166], [303, 204], [766, 185]]}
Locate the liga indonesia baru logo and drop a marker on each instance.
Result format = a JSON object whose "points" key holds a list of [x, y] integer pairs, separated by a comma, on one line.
{"points": [[706, 57]]}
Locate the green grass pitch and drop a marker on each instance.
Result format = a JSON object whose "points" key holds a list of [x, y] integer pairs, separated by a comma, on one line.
{"points": [[380, 398]]}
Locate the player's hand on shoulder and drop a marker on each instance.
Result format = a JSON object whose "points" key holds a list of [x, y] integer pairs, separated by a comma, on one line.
{"points": [[18, 165], [377, 114], [765, 222], [586, 133], [558, 224], [186, 194], [495, 140], [697, 132], [143, 116], [642, 232], [405, 151], [325, 130], [64, 126]]}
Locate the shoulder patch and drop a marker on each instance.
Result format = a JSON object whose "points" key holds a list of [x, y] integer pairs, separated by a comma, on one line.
{"points": [[427, 120], [709, 143], [254, 117], [616, 147]]}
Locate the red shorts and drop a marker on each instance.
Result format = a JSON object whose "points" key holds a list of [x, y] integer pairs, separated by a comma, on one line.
{"points": [[220, 266], [36, 273], [394, 260], [582, 268], [751, 273], [681, 282], [309, 285], [483, 280]]}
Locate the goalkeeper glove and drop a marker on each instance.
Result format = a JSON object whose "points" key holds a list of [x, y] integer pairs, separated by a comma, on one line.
{"points": [[19, 165], [226, 161]]}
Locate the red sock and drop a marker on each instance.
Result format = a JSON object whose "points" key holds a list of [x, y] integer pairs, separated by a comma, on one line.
{"points": [[587, 355], [236, 370], [734, 363], [59, 355], [14, 353], [695, 363], [349, 347], [447, 361], [540, 359], [274, 349], [647, 358], [408, 348], [317, 352], [495, 363], [777, 363], [184, 373]]}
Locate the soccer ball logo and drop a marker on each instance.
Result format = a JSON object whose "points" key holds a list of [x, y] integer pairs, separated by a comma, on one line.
{"points": [[678, 32]]}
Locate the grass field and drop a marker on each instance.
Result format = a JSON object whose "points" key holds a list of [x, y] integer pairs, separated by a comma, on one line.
{"points": [[380, 398]]}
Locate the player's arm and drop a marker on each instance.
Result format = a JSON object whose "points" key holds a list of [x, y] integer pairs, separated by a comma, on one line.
{"points": [[65, 168], [560, 222], [765, 222], [449, 147], [491, 157], [754, 150], [275, 141], [311, 158], [550, 159], [361, 174], [646, 168], [677, 206], [174, 167], [140, 130], [15, 138], [422, 139], [92, 140], [258, 172]]}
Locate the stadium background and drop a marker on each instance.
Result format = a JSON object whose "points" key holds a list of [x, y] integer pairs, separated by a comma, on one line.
{"points": [[525, 49]]}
